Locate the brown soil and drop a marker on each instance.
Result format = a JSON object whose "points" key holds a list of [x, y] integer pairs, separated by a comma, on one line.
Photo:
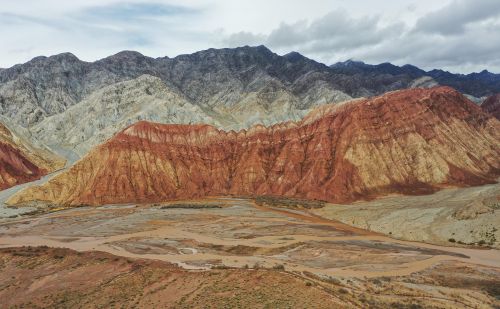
{"points": [[40, 277]]}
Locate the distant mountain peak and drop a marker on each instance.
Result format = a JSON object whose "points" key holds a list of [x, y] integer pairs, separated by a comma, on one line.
{"points": [[349, 62], [128, 54], [294, 56], [485, 73], [65, 56], [261, 49]]}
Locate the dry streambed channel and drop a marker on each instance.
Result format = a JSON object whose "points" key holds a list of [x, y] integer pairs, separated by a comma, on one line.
{"points": [[234, 232]]}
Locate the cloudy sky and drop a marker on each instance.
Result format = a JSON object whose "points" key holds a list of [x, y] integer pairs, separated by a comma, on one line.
{"points": [[456, 35]]}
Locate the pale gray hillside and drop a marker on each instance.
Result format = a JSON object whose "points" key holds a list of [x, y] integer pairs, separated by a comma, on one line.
{"points": [[113, 108]]}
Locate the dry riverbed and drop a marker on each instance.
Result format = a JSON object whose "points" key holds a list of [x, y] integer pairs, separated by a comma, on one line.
{"points": [[228, 235]]}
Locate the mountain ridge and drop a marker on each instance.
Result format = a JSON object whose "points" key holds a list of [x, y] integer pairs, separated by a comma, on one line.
{"points": [[418, 141], [477, 84], [45, 86]]}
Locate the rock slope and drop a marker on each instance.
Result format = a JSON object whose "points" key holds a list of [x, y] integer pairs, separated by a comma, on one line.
{"points": [[231, 88], [492, 105], [413, 141], [21, 162], [112, 109], [227, 80]]}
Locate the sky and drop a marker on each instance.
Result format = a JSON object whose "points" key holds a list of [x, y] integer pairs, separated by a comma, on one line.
{"points": [[460, 36]]}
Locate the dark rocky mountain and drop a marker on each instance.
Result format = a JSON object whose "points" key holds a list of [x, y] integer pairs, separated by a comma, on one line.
{"points": [[212, 78], [234, 87], [475, 84]]}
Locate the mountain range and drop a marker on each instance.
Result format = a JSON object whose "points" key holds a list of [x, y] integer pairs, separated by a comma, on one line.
{"points": [[475, 85], [72, 104], [250, 121], [413, 141]]}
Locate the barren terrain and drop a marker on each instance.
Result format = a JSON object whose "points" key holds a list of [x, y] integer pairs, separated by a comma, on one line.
{"points": [[231, 252], [449, 217]]}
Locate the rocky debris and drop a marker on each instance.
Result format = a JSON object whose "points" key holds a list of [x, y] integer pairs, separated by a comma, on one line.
{"points": [[412, 142], [56, 277], [21, 162]]}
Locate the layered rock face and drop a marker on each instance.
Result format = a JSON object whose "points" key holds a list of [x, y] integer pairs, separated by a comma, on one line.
{"points": [[413, 142], [20, 162], [239, 81], [230, 88], [218, 80], [492, 105], [113, 108]]}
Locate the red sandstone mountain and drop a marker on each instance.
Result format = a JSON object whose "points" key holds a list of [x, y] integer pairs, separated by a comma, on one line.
{"points": [[411, 141], [20, 162], [492, 105]]}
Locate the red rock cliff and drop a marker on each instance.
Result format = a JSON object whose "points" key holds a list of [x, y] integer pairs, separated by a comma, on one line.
{"points": [[20, 162], [411, 141]]}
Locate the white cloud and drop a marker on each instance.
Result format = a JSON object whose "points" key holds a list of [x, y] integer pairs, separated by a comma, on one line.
{"points": [[454, 17], [462, 36], [459, 35]]}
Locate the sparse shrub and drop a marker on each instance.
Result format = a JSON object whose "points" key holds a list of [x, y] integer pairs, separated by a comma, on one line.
{"points": [[279, 201], [279, 267], [309, 283], [377, 281], [190, 206], [333, 280], [452, 240], [343, 291], [398, 305]]}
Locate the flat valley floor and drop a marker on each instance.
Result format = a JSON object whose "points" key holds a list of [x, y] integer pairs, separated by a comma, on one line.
{"points": [[231, 252]]}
